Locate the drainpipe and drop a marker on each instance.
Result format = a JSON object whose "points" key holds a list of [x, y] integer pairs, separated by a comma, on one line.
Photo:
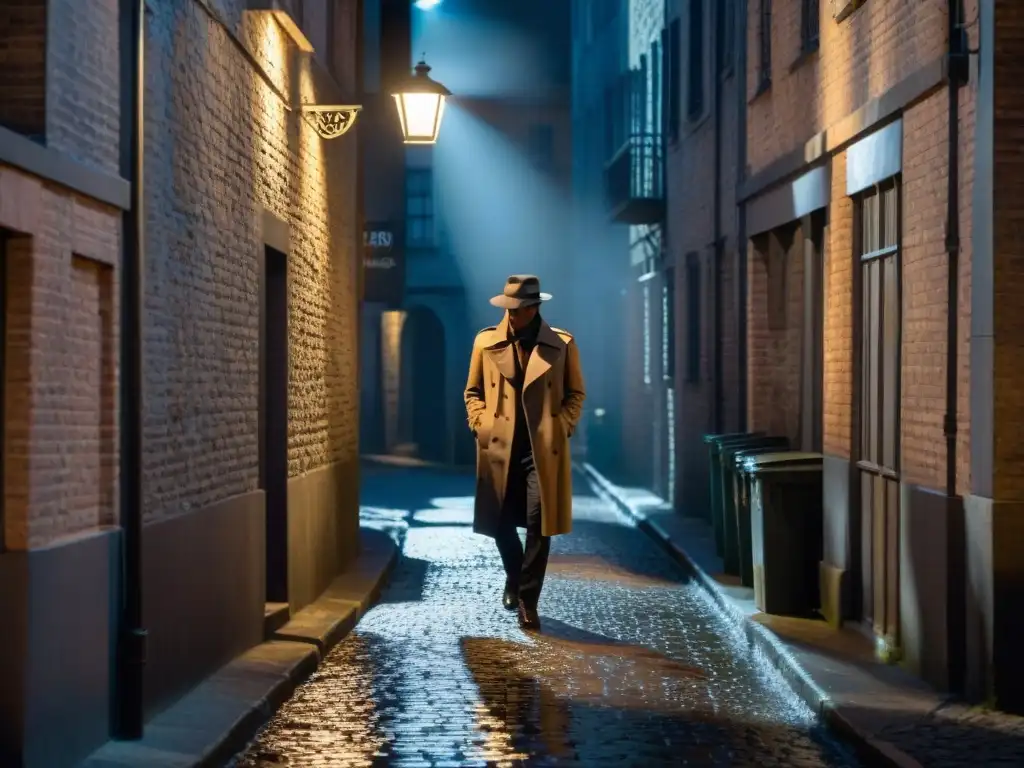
{"points": [[719, 395], [131, 636], [957, 73], [740, 36]]}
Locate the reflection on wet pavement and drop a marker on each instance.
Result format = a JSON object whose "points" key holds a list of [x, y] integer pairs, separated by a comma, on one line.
{"points": [[634, 667]]}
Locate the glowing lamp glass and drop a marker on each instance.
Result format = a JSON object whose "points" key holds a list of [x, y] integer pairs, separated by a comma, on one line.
{"points": [[420, 101]]}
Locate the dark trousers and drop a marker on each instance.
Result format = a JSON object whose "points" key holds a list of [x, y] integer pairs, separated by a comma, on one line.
{"points": [[524, 569]]}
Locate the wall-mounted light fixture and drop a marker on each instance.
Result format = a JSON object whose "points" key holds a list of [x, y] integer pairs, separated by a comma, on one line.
{"points": [[420, 100], [332, 120]]}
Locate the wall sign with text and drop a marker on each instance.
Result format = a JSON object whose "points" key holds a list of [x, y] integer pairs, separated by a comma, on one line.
{"points": [[383, 264]]}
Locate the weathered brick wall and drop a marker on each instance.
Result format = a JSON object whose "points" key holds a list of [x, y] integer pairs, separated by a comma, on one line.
{"points": [[873, 49], [859, 59], [60, 362], [23, 66], [773, 348], [690, 186], [222, 145], [82, 89], [837, 387]]}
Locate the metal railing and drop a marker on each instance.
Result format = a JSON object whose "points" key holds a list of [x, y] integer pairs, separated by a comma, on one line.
{"points": [[635, 181]]}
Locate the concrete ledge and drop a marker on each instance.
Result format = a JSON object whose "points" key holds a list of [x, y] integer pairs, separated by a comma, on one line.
{"points": [[852, 695], [218, 718], [333, 615]]}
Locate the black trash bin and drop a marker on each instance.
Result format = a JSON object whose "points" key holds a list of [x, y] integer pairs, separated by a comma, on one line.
{"points": [[715, 479], [786, 533], [746, 462], [726, 456]]}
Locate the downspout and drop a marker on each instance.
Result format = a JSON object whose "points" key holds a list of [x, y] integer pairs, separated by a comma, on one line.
{"points": [[739, 33], [957, 72], [719, 395], [131, 636]]}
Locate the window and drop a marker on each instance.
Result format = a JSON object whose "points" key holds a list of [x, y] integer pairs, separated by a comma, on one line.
{"points": [[880, 317], [668, 330], [419, 207], [809, 26], [673, 78], [693, 316], [23, 72], [765, 40], [695, 61], [647, 332], [726, 35], [540, 145]]}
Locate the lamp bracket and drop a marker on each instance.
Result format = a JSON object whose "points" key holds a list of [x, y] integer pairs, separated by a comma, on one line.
{"points": [[332, 120]]}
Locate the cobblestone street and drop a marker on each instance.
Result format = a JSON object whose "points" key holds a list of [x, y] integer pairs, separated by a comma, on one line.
{"points": [[633, 667]]}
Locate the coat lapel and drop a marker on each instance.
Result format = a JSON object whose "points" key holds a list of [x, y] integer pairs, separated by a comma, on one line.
{"points": [[501, 352], [549, 347]]}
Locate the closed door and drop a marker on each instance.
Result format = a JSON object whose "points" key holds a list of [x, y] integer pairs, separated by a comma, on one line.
{"points": [[879, 408]]}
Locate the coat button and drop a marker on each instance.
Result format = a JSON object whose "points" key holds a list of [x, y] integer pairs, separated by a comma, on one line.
{"points": [[555, 452], [494, 439], [508, 418], [493, 384], [549, 385]]}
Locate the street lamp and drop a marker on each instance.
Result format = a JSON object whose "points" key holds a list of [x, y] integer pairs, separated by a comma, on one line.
{"points": [[420, 100]]}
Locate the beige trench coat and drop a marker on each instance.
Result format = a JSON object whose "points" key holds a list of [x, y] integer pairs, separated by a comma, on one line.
{"points": [[553, 395]]}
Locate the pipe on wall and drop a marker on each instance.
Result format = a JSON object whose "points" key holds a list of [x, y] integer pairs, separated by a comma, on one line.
{"points": [[718, 240], [130, 653], [740, 33], [958, 70]]}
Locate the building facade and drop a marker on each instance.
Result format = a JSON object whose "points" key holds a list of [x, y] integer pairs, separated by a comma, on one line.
{"points": [[705, 104], [249, 406], [881, 321]]}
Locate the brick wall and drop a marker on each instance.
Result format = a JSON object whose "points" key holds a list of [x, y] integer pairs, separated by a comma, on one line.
{"points": [[82, 87], [873, 49], [60, 362], [690, 184], [23, 66], [837, 387], [222, 145], [774, 336]]}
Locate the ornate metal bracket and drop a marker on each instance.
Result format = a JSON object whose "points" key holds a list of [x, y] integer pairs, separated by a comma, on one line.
{"points": [[332, 120]]}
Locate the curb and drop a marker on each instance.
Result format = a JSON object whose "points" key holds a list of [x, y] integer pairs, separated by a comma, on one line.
{"points": [[872, 751], [239, 738], [219, 718]]}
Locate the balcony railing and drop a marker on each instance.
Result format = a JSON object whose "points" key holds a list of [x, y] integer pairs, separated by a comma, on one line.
{"points": [[634, 181]]}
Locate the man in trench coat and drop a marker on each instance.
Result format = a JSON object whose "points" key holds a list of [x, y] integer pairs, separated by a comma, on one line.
{"points": [[524, 397]]}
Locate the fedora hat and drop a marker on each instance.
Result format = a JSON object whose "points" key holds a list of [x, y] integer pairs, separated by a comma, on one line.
{"points": [[520, 291]]}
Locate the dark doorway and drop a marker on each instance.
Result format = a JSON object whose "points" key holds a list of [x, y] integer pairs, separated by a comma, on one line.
{"points": [[274, 418], [423, 423]]}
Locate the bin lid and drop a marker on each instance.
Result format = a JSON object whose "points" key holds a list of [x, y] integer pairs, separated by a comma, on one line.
{"points": [[773, 442], [752, 460], [781, 471], [760, 450], [709, 438]]}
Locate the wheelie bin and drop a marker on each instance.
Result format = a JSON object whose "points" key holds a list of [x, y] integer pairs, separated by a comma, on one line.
{"points": [[715, 481], [786, 534], [746, 461], [726, 455]]}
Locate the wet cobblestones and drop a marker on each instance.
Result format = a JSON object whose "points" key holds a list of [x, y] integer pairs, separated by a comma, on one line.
{"points": [[634, 666]]}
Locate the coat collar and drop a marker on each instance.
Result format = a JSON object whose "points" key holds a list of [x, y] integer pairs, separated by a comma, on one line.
{"points": [[549, 347]]}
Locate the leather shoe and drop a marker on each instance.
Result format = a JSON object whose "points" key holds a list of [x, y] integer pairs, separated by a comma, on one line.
{"points": [[529, 619], [511, 597]]}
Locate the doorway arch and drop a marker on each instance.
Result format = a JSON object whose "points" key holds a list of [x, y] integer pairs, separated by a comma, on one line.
{"points": [[422, 414]]}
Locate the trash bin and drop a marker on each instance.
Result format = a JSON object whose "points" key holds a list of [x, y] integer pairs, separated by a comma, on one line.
{"points": [[715, 481], [786, 533], [746, 462], [726, 455]]}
